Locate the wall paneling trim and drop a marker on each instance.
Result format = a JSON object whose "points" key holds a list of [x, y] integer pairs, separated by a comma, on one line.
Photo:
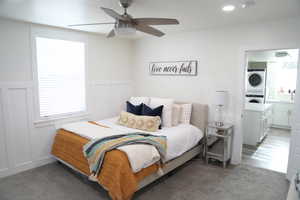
{"points": [[24, 143]]}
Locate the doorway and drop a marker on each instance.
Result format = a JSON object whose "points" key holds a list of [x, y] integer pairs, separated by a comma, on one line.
{"points": [[270, 88]]}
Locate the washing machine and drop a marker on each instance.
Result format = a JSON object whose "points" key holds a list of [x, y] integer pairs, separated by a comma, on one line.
{"points": [[250, 98], [256, 81]]}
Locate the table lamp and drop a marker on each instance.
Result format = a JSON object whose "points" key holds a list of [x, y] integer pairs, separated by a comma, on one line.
{"points": [[220, 102]]}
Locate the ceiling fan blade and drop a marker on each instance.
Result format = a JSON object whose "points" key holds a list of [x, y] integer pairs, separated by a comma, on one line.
{"points": [[156, 21], [111, 34], [91, 24], [113, 14], [148, 29]]}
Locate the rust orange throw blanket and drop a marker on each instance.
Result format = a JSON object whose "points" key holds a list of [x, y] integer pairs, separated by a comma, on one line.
{"points": [[115, 176]]}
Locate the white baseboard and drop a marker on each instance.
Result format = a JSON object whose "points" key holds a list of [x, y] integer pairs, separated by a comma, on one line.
{"points": [[235, 162], [29, 165], [281, 127]]}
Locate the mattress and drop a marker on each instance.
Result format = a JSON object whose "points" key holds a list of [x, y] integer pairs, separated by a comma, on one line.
{"points": [[180, 138]]}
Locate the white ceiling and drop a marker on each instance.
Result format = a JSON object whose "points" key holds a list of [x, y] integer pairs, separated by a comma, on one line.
{"points": [[269, 55], [192, 14]]}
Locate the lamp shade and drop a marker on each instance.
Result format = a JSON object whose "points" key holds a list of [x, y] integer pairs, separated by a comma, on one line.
{"points": [[221, 98]]}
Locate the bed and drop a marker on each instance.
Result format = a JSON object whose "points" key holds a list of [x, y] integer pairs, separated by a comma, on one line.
{"points": [[116, 174]]}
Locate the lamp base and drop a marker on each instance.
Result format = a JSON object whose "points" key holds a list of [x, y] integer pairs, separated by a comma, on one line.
{"points": [[219, 124], [219, 116]]}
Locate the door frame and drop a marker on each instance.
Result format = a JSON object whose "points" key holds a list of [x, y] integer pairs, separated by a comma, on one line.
{"points": [[240, 98], [293, 153]]}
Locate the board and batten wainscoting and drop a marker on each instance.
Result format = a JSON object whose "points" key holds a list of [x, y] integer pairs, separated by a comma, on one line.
{"points": [[26, 143]]}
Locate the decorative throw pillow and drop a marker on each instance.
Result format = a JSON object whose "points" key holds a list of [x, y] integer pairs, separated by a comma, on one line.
{"points": [[167, 111], [145, 123], [139, 100], [147, 111], [137, 110], [176, 114], [186, 113]]}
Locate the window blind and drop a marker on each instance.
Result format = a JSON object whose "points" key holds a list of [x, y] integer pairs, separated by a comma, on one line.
{"points": [[61, 76]]}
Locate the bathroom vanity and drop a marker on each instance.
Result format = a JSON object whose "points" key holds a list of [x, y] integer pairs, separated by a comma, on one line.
{"points": [[257, 120]]}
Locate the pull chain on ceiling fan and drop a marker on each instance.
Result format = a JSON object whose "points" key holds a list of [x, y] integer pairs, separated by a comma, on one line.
{"points": [[125, 24]]}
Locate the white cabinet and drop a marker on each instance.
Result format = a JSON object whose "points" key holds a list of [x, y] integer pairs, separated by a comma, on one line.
{"points": [[282, 113], [256, 122]]}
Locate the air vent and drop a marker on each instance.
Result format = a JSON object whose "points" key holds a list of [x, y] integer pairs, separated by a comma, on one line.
{"points": [[281, 54]]}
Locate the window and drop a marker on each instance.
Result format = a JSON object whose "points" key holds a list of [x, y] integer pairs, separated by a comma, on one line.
{"points": [[61, 76], [282, 80]]}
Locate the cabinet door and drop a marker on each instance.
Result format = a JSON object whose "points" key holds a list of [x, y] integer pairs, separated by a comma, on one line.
{"points": [[262, 128], [281, 114], [251, 127], [269, 117], [290, 113]]}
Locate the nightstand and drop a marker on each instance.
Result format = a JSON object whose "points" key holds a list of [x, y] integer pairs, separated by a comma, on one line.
{"points": [[218, 143]]}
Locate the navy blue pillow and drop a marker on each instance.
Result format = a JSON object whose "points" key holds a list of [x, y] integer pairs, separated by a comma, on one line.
{"points": [[136, 110], [146, 110]]}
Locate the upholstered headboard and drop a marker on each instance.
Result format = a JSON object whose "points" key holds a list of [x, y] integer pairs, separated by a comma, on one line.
{"points": [[199, 116]]}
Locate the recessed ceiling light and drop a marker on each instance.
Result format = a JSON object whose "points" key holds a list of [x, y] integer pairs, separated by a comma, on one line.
{"points": [[228, 8]]}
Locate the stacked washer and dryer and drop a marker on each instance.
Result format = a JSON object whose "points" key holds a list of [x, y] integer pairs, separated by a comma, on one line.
{"points": [[257, 114], [256, 83]]}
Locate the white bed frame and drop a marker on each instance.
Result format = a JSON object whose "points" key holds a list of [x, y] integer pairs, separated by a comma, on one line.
{"points": [[199, 119]]}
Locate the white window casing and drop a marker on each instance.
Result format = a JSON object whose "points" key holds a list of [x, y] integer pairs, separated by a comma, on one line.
{"points": [[60, 76]]}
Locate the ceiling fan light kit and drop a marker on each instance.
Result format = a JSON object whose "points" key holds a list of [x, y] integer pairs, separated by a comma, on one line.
{"points": [[124, 29], [127, 25]]}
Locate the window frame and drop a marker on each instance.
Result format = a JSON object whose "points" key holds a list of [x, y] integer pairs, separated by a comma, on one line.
{"points": [[57, 35]]}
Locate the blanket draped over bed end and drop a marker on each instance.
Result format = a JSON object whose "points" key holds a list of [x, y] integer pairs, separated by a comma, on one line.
{"points": [[95, 150], [116, 175]]}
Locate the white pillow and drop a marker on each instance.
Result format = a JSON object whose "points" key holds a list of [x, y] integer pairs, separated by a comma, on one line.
{"points": [[167, 110], [138, 100], [176, 114], [186, 113]]}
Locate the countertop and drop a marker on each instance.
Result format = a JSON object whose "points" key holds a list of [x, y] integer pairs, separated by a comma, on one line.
{"points": [[257, 107], [279, 101]]}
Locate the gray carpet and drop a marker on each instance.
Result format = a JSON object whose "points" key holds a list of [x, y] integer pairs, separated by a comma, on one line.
{"points": [[193, 181]]}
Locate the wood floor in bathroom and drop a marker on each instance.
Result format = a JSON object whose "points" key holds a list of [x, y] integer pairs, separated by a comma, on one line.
{"points": [[272, 153]]}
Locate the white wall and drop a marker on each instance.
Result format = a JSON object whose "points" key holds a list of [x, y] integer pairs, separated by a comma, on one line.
{"points": [[25, 144], [112, 64], [108, 59], [220, 53]]}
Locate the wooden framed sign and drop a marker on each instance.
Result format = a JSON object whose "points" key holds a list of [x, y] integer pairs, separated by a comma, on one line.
{"points": [[176, 68]]}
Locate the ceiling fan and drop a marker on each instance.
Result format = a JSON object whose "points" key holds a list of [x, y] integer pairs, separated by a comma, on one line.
{"points": [[126, 25]]}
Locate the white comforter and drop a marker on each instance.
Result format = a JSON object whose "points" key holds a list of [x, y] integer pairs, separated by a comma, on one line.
{"points": [[180, 139]]}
